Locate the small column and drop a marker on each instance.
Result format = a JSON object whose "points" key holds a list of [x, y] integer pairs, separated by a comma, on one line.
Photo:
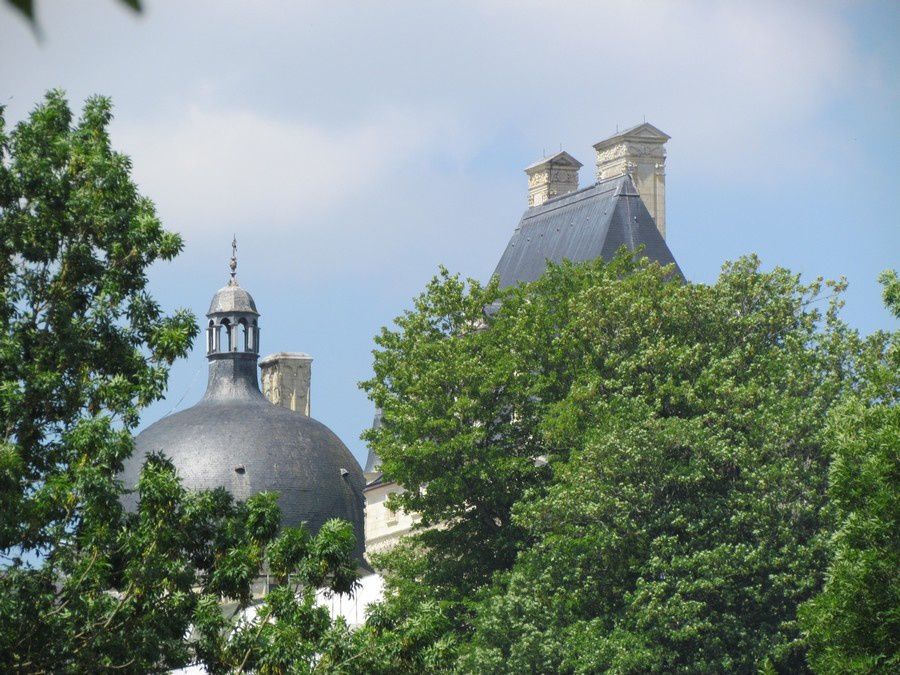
{"points": [[286, 380]]}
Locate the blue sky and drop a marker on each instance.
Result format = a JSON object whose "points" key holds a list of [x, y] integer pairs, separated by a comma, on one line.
{"points": [[354, 147]]}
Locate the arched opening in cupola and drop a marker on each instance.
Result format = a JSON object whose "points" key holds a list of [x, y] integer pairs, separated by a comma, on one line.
{"points": [[228, 332], [245, 335]]}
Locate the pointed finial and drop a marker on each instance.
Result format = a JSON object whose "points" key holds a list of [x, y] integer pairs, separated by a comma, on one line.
{"points": [[233, 263]]}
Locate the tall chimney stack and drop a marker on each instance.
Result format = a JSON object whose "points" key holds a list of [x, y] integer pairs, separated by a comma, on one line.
{"points": [[286, 378], [552, 177], [641, 152]]}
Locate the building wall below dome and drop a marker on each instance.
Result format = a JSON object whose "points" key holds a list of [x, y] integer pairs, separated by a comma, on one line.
{"points": [[384, 526]]}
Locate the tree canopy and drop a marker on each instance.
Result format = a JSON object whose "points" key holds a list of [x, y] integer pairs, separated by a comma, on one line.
{"points": [[616, 471], [853, 626], [84, 584]]}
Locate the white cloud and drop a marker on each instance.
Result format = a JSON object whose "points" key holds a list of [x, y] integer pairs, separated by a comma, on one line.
{"points": [[357, 133], [279, 87], [216, 168], [352, 146], [732, 82], [361, 131]]}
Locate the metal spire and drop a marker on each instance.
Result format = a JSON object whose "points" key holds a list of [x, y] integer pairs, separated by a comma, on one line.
{"points": [[233, 263]]}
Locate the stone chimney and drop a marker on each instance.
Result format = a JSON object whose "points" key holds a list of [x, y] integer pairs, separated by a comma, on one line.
{"points": [[641, 152], [552, 177], [286, 378]]}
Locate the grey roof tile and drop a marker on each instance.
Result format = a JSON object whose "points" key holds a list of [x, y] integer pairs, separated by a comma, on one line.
{"points": [[591, 223], [373, 462]]}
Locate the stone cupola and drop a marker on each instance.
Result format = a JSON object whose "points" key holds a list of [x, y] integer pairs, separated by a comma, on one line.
{"points": [[233, 326], [640, 152], [552, 177]]}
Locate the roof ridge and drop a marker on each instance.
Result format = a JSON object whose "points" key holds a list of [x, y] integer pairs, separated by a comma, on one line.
{"points": [[608, 184]]}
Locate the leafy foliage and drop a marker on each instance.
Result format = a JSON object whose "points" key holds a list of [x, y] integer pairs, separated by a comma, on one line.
{"points": [[86, 585], [416, 631], [287, 631], [629, 472], [853, 626]]}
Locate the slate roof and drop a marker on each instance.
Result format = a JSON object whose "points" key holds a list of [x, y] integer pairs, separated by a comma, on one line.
{"points": [[584, 225], [232, 298], [373, 463], [234, 438]]}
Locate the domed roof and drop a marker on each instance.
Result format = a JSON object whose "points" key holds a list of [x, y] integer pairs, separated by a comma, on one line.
{"points": [[247, 445], [232, 299], [236, 439]]}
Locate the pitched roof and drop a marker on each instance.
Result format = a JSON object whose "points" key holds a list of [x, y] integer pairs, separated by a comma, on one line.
{"points": [[373, 462], [590, 223]]}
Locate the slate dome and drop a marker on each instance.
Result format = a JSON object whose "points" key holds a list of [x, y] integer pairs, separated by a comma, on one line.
{"points": [[236, 439], [232, 298]]}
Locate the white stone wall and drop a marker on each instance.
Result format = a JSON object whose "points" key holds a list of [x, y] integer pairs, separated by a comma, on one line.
{"points": [[551, 182], [353, 608], [552, 177], [384, 526]]}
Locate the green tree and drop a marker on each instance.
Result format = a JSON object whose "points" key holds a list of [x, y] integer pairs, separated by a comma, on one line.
{"points": [[853, 626], [85, 585], [628, 471], [455, 408]]}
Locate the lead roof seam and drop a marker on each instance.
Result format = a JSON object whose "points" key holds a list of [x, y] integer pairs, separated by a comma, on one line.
{"points": [[566, 200]]}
